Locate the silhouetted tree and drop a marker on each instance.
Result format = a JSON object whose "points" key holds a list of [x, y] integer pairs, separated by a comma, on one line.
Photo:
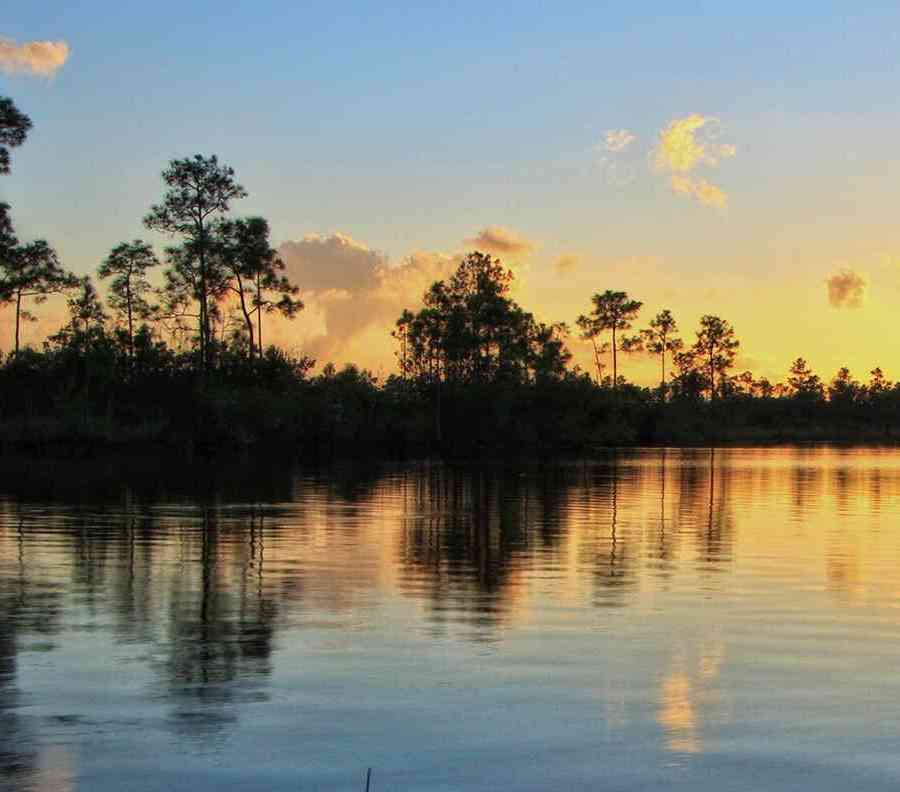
{"points": [[763, 388], [877, 384], [127, 265], [844, 390], [803, 382], [199, 191], [690, 382], [86, 318], [660, 338], [8, 245], [32, 271], [714, 351], [613, 311], [471, 331], [14, 127], [256, 274]]}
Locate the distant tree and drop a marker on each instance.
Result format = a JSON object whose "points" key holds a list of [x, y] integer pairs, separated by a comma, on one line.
{"points": [[86, 318], [803, 383], [256, 275], [33, 272], [613, 311], [745, 383], [714, 351], [659, 338], [585, 325], [843, 389], [763, 388], [14, 127], [199, 191], [127, 265], [877, 384], [689, 383]]}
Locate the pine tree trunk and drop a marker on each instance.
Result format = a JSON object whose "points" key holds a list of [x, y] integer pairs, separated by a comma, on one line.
{"points": [[259, 344], [615, 369], [18, 315]]}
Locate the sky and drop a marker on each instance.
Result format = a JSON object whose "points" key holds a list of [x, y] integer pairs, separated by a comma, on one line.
{"points": [[735, 159]]}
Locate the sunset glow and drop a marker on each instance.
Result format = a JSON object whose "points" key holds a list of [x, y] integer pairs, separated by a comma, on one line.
{"points": [[701, 170]]}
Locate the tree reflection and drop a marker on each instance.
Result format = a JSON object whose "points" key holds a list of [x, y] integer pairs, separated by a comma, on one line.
{"points": [[469, 537], [221, 630], [29, 612]]}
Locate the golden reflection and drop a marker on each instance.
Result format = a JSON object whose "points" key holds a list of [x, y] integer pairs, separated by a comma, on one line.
{"points": [[487, 548], [212, 585], [686, 697], [56, 770], [677, 714]]}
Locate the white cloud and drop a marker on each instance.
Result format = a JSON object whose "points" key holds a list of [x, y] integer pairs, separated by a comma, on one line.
{"points": [[616, 140]]}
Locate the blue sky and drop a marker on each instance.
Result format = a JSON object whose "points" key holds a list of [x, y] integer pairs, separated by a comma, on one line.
{"points": [[412, 126]]}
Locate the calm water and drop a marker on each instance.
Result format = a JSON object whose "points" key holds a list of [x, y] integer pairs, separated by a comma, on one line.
{"points": [[681, 619]]}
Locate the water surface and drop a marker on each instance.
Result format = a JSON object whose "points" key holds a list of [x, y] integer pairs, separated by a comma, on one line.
{"points": [[654, 620]]}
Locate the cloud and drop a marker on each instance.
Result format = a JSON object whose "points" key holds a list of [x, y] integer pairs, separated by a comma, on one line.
{"points": [[616, 140], [353, 296], [846, 289], [566, 264], [35, 57], [500, 241], [335, 261], [616, 163], [699, 189], [687, 144]]}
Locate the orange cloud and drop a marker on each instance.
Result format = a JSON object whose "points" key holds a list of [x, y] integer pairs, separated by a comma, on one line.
{"points": [[355, 295], [44, 58], [685, 145], [846, 289], [500, 241]]}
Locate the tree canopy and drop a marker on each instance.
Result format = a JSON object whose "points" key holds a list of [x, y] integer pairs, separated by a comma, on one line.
{"points": [[613, 311], [470, 330], [199, 190]]}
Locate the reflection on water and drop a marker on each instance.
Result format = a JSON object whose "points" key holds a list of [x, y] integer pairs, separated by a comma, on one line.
{"points": [[662, 616]]}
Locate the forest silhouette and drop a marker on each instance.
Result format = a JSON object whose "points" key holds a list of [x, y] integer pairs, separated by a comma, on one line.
{"points": [[186, 366]]}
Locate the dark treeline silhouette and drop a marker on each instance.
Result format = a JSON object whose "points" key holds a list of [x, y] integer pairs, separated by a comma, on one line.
{"points": [[186, 364]]}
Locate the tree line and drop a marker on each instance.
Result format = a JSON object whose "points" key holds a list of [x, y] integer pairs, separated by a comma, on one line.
{"points": [[477, 373], [216, 257]]}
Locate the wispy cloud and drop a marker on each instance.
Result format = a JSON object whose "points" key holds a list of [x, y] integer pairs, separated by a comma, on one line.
{"points": [[616, 140], [614, 157], [44, 58], [566, 264], [500, 241], [685, 145], [846, 289]]}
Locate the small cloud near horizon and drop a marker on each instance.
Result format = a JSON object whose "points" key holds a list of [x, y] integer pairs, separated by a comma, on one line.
{"points": [[565, 265], [846, 289], [43, 58], [500, 241]]}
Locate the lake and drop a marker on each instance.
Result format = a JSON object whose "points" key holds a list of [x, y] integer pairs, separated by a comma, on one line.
{"points": [[655, 619]]}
